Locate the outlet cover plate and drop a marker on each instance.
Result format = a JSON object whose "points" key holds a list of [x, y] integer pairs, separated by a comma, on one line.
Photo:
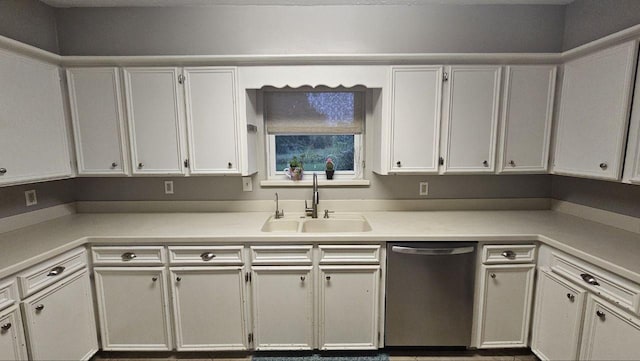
{"points": [[424, 188], [247, 184], [30, 197], [168, 187]]}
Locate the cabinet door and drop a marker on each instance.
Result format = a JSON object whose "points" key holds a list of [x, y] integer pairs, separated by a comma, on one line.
{"points": [[133, 309], [60, 321], [526, 118], [609, 333], [12, 345], [631, 172], [98, 120], [33, 136], [471, 119], [505, 306], [557, 318], [154, 109], [283, 307], [208, 308], [349, 307], [594, 113], [415, 118], [211, 120]]}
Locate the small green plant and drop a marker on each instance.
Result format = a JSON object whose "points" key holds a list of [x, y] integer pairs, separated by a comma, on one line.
{"points": [[295, 163], [328, 165]]}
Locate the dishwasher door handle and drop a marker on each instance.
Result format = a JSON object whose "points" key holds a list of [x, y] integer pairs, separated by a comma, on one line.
{"points": [[432, 251]]}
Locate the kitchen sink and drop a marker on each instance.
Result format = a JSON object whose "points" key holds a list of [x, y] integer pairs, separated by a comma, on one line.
{"points": [[337, 223]]}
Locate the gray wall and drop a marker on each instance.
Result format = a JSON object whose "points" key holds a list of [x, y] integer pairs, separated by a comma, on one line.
{"points": [[310, 29], [588, 20], [29, 21], [615, 197], [49, 194]]}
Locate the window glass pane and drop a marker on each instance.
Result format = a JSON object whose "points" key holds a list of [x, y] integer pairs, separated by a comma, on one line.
{"points": [[314, 150]]}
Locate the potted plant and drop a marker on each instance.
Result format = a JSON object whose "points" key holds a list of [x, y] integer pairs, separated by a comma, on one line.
{"points": [[329, 168], [295, 169]]}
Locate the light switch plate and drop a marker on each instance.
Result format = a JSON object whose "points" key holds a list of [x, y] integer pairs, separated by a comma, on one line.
{"points": [[168, 187], [31, 198], [247, 184], [424, 188]]}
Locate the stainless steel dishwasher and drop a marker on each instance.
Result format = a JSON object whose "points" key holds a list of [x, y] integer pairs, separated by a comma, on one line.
{"points": [[429, 294]]}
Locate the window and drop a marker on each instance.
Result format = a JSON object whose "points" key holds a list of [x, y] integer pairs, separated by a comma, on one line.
{"points": [[314, 125]]}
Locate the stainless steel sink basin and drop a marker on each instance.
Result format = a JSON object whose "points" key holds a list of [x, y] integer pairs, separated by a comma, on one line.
{"points": [[339, 223], [336, 225]]}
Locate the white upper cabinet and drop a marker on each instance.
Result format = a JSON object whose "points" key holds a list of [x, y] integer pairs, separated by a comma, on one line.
{"points": [[416, 93], [594, 113], [212, 120], [527, 110], [33, 136], [471, 119], [631, 173], [155, 112], [98, 120]]}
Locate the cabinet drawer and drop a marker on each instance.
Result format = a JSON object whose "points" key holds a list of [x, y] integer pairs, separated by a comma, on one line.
{"points": [[46, 273], [219, 255], [498, 254], [281, 255], [143, 255], [8, 293], [618, 290], [349, 254]]}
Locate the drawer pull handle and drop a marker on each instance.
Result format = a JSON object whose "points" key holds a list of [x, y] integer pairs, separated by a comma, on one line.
{"points": [[600, 315], [509, 254], [6, 326], [328, 278], [589, 279], [207, 256], [129, 256], [571, 297], [55, 271], [39, 307]]}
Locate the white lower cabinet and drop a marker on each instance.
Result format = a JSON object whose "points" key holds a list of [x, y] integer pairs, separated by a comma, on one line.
{"points": [[12, 343], [557, 318], [133, 308], [282, 307], [349, 307], [60, 322], [505, 298], [609, 333], [208, 308]]}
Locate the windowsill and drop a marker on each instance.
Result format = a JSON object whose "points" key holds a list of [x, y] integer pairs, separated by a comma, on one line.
{"points": [[321, 183]]}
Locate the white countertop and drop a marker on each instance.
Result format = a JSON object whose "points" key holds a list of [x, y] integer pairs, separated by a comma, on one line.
{"points": [[605, 246]]}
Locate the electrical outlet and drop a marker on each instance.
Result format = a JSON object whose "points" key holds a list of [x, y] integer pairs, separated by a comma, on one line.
{"points": [[247, 184], [30, 197], [424, 188], [168, 187]]}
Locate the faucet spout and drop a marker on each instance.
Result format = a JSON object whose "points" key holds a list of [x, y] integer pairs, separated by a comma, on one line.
{"points": [[313, 211]]}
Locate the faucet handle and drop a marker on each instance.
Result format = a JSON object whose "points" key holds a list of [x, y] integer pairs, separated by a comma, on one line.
{"points": [[308, 211], [326, 213]]}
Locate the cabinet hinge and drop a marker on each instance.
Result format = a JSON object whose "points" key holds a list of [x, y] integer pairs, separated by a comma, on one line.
{"points": [[445, 76], [247, 277], [250, 338], [181, 79], [364, 165], [441, 161], [186, 163]]}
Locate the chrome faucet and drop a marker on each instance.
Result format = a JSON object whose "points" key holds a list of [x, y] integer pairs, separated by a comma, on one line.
{"points": [[313, 211], [279, 213]]}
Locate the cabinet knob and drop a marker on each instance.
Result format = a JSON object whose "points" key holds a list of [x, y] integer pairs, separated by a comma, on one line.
{"points": [[493, 275], [604, 166], [140, 165], [229, 165], [56, 271], [485, 163], [154, 279], [128, 256], [207, 256], [509, 254], [399, 164], [571, 297], [178, 279], [328, 278], [114, 165], [3, 171], [302, 278], [512, 163], [601, 315], [40, 307], [6, 326]]}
